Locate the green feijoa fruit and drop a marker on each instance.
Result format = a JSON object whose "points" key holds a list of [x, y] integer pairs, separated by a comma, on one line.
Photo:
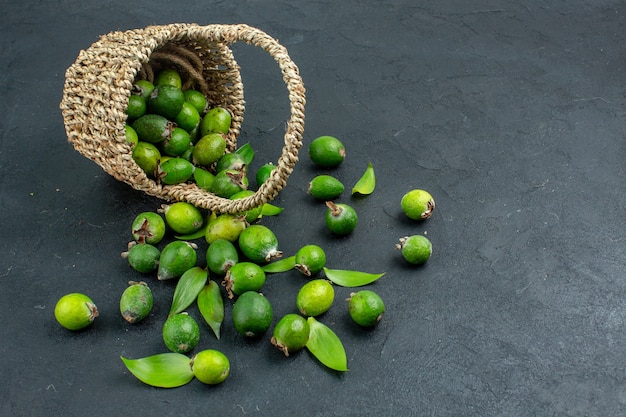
{"points": [[418, 204], [177, 143], [182, 217], [166, 100], [231, 161], [176, 258], [209, 149], [188, 118], [217, 119], [264, 173], [203, 178], [136, 106], [229, 182], [254, 213], [291, 333], [341, 219], [142, 257], [221, 255], [259, 244], [181, 333], [210, 366], [136, 302], [242, 277], [310, 259], [252, 314], [225, 226], [315, 297], [327, 151], [175, 171], [153, 128], [168, 76], [366, 308], [75, 311], [131, 135], [143, 88], [325, 187], [416, 249], [196, 99], [148, 227], [147, 156]]}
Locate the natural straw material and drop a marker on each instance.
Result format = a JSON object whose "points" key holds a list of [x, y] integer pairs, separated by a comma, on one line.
{"points": [[99, 83]]}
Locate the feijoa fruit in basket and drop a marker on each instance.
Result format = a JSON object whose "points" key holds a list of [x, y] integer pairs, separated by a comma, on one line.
{"points": [[315, 297], [254, 213], [216, 120], [148, 227], [203, 178], [182, 217], [166, 100], [418, 204], [176, 258], [231, 161], [143, 88], [153, 128], [229, 182], [416, 249], [142, 257], [327, 151], [225, 226], [75, 311], [175, 171], [221, 255], [131, 135], [188, 118], [291, 333], [209, 149], [177, 143], [325, 187], [242, 277], [366, 308], [210, 366], [181, 333], [252, 314], [136, 302], [259, 244], [263, 173], [147, 156], [310, 259], [196, 99], [137, 107], [168, 76], [341, 219]]}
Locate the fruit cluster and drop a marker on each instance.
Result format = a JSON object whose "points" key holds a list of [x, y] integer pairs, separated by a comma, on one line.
{"points": [[241, 251]]}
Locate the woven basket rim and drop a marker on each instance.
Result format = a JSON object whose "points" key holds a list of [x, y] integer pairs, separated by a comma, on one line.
{"points": [[84, 123]]}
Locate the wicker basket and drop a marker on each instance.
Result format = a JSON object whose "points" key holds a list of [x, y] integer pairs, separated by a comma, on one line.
{"points": [[98, 85]]}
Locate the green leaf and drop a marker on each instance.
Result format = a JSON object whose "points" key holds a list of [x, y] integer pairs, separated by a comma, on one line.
{"points": [[281, 265], [325, 345], [247, 152], [347, 278], [196, 235], [211, 306], [271, 210], [187, 289], [165, 370], [366, 184]]}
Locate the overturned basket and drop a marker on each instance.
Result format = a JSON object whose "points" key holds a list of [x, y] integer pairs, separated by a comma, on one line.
{"points": [[99, 83]]}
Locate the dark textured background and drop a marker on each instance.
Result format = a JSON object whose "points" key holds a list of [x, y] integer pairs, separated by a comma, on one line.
{"points": [[510, 113]]}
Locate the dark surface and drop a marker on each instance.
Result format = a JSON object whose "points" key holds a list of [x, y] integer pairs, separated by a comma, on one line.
{"points": [[511, 115]]}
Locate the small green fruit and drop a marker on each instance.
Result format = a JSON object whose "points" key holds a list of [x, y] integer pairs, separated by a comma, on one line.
{"points": [[291, 333], [216, 120], [418, 204], [225, 226], [242, 277], [166, 100], [366, 308], [315, 297], [310, 259], [259, 244], [325, 187], [176, 258], [75, 311], [136, 302], [210, 366], [221, 255], [416, 249], [175, 171], [142, 257], [341, 219], [252, 314], [327, 151], [148, 227], [181, 333], [182, 217]]}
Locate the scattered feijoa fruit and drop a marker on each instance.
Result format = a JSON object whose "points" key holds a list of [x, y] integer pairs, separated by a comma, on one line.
{"points": [[148, 227], [242, 277], [325, 187], [310, 259], [252, 314], [290, 333], [176, 258], [259, 244], [416, 249], [341, 219], [327, 151], [75, 311], [366, 308], [147, 156], [142, 257], [221, 255], [225, 226], [136, 302], [315, 297], [210, 366], [181, 333], [418, 204]]}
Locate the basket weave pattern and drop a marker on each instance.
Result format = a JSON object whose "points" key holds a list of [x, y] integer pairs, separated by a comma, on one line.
{"points": [[98, 86]]}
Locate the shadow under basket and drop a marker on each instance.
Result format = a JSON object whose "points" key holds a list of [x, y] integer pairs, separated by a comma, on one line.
{"points": [[98, 86]]}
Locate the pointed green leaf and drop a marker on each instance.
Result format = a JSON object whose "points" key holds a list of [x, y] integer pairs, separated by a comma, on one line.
{"points": [[187, 289], [281, 265], [211, 306], [366, 184], [196, 235], [165, 370], [347, 278], [325, 345], [271, 210], [247, 152]]}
